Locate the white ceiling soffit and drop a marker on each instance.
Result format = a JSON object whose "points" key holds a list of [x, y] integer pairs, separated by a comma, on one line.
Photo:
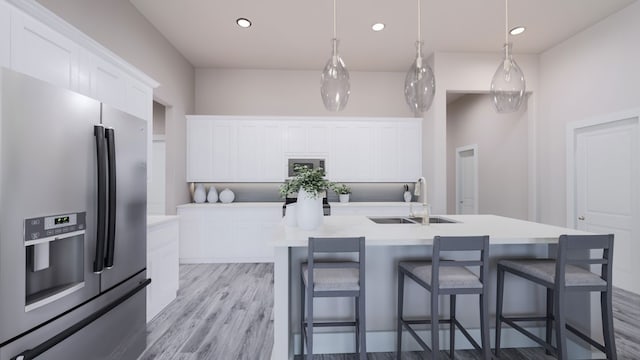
{"points": [[296, 34]]}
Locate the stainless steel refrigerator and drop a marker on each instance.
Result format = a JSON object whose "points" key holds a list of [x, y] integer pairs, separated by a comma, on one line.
{"points": [[72, 225]]}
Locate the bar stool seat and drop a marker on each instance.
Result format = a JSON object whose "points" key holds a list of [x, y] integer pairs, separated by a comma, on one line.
{"points": [[449, 277], [342, 279], [545, 270]]}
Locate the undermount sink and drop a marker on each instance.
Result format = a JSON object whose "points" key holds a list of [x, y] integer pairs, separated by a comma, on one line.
{"points": [[410, 220]]}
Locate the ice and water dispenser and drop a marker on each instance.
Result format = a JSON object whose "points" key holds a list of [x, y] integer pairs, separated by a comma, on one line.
{"points": [[54, 257]]}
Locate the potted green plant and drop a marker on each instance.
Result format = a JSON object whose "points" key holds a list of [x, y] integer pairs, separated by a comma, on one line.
{"points": [[343, 191], [310, 185]]}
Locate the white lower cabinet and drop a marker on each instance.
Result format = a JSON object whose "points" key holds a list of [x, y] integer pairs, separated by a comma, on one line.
{"points": [[220, 233], [162, 264]]}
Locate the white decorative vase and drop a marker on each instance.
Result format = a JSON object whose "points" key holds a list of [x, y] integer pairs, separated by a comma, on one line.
{"points": [[309, 211], [227, 196], [407, 196], [199, 195], [344, 198], [212, 195]]}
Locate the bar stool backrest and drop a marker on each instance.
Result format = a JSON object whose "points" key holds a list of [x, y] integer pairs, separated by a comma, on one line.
{"points": [[336, 245], [458, 244], [568, 243]]}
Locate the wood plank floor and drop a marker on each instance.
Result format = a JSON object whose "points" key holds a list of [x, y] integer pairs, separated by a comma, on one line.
{"points": [[223, 311]]}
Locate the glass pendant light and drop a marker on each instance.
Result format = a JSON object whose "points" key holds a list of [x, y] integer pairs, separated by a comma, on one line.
{"points": [[508, 85], [334, 80], [420, 83]]}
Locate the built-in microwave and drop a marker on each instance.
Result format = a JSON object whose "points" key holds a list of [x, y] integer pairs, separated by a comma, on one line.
{"points": [[309, 163]]}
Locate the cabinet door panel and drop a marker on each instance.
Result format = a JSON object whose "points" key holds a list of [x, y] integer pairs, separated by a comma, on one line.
{"points": [[224, 152], [296, 138], [200, 150], [273, 160], [250, 151], [191, 231], [107, 83], [409, 152], [352, 150], [38, 51]]}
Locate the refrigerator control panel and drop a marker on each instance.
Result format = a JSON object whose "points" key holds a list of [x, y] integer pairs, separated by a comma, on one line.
{"points": [[47, 226]]}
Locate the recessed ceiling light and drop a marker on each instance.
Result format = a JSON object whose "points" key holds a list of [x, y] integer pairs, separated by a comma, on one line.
{"points": [[377, 27], [244, 23], [517, 30]]}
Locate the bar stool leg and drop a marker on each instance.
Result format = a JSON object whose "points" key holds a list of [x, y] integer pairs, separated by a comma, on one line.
{"points": [[607, 324], [549, 321], [357, 311], [302, 306], [435, 328], [399, 316], [500, 292], [363, 327], [485, 336], [310, 326], [452, 331], [560, 321]]}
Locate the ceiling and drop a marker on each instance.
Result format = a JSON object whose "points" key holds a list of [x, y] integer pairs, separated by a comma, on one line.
{"points": [[296, 34]]}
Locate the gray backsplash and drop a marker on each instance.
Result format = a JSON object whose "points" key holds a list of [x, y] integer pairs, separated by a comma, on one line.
{"points": [[268, 192]]}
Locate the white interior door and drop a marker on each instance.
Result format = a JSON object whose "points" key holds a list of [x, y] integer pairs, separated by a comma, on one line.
{"points": [[607, 192], [467, 180]]}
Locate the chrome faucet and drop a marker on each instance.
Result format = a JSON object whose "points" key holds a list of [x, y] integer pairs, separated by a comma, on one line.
{"points": [[421, 188]]}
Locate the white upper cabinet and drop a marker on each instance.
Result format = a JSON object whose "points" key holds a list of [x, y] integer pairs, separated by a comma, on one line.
{"points": [[352, 150], [5, 35], [259, 155], [107, 83], [43, 53], [36, 42], [306, 138], [256, 149]]}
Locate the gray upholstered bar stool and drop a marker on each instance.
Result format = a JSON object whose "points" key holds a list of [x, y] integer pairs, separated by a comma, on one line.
{"points": [[448, 277], [559, 277], [333, 279]]}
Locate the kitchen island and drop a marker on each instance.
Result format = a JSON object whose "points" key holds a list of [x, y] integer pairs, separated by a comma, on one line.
{"points": [[387, 244]]}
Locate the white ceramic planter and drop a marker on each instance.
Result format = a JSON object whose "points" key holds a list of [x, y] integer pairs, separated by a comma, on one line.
{"points": [[344, 198], [309, 211]]}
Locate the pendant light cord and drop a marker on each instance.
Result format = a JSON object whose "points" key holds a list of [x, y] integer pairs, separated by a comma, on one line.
{"points": [[335, 27], [506, 21], [419, 24]]}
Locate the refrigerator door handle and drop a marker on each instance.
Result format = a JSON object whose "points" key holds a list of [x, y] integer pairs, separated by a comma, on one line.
{"points": [[98, 261], [58, 338], [111, 224]]}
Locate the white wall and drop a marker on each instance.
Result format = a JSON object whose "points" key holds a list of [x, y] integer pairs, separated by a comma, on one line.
{"points": [[502, 155], [465, 73], [117, 25], [593, 73], [284, 92]]}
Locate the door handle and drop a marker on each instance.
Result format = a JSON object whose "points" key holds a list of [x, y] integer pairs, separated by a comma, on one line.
{"points": [[581, 218]]}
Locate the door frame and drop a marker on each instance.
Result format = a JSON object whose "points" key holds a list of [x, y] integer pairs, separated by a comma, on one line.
{"points": [[474, 148], [571, 136]]}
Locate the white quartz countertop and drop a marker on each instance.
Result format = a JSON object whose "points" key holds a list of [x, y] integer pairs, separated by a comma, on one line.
{"points": [[231, 205], [502, 231], [373, 204], [155, 220]]}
